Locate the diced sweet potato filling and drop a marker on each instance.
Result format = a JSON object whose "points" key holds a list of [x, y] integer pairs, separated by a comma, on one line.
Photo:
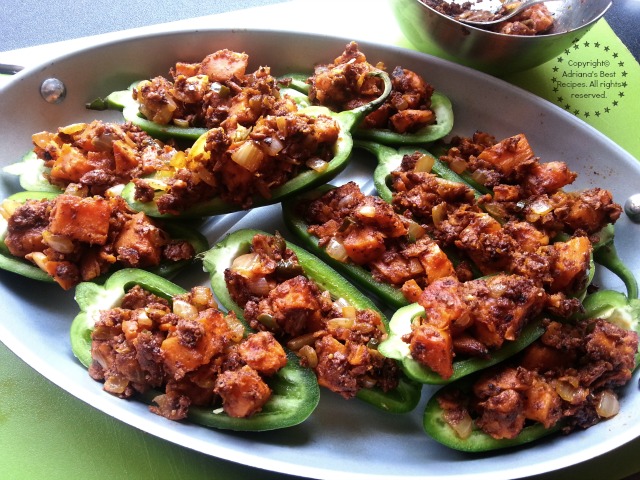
{"points": [[530, 236], [188, 348], [336, 340], [347, 83], [569, 375], [98, 155], [75, 239]]}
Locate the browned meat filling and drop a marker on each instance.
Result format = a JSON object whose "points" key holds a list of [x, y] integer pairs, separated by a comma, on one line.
{"points": [[365, 230], [527, 189], [237, 167], [570, 374], [76, 239], [99, 155], [534, 20], [189, 349], [346, 84], [471, 318], [215, 92], [333, 338]]}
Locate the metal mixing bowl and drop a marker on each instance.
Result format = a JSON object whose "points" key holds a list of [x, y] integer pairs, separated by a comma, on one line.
{"points": [[496, 53]]}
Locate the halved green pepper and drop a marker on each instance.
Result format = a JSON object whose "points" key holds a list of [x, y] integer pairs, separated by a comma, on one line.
{"points": [[220, 257], [306, 180], [31, 172], [400, 325], [606, 254], [440, 105], [390, 158], [294, 221], [27, 269], [123, 100], [609, 305], [295, 392]]}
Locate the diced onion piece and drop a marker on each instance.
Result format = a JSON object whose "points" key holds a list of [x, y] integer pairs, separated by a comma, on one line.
{"points": [[415, 230], [246, 264], [73, 128], [181, 122], [259, 286], [179, 160], [236, 328], [349, 311], [341, 303], [340, 322], [368, 211], [60, 243], [540, 206], [424, 163], [570, 391], [309, 355], [185, 310], [8, 208], [317, 164], [608, 405], [335, 249], [248, 155], [439, 213], [115, 384], [368, 382], [458, 165], [480, 176], [202, 297], [297, 343], [40, 259], [272, 146], [461, 423]]}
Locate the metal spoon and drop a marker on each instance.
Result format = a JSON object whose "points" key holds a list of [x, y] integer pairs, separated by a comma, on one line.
{"points": [[513, 7]]}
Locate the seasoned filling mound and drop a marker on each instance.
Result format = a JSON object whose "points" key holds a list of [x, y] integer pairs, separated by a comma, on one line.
{"points": [[218, 91], [335, 339], [78, 238], [347, 83], [569, 375], [239, 166], [436, 236], [98, 155], [186, 348]]}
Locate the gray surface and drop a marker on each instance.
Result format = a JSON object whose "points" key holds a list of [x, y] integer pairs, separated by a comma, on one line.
{"points": [[25, 23], [341, 440]]}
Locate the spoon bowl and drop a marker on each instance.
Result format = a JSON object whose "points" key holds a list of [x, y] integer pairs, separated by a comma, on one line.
{"points": [[511, 9], [438, 34]]}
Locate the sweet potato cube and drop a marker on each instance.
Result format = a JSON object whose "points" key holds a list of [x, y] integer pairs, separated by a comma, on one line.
{"points": [[82, 219], [508, 154]]}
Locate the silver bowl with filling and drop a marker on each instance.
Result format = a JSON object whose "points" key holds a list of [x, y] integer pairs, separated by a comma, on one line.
{"points": [[440, 34]]}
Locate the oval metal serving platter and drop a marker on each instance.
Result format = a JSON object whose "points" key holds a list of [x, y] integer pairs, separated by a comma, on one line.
{"points": [[342, 439]]}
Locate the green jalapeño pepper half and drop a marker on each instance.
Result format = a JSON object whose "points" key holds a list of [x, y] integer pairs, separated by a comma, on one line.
{"points": [[389, 159], [28, 269], [31, 172], [307, 179], [295, 222], [606, 254], [295, 393], [608, 305], [123, 100], [440, 105], [400, 325], [400, 400]]}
